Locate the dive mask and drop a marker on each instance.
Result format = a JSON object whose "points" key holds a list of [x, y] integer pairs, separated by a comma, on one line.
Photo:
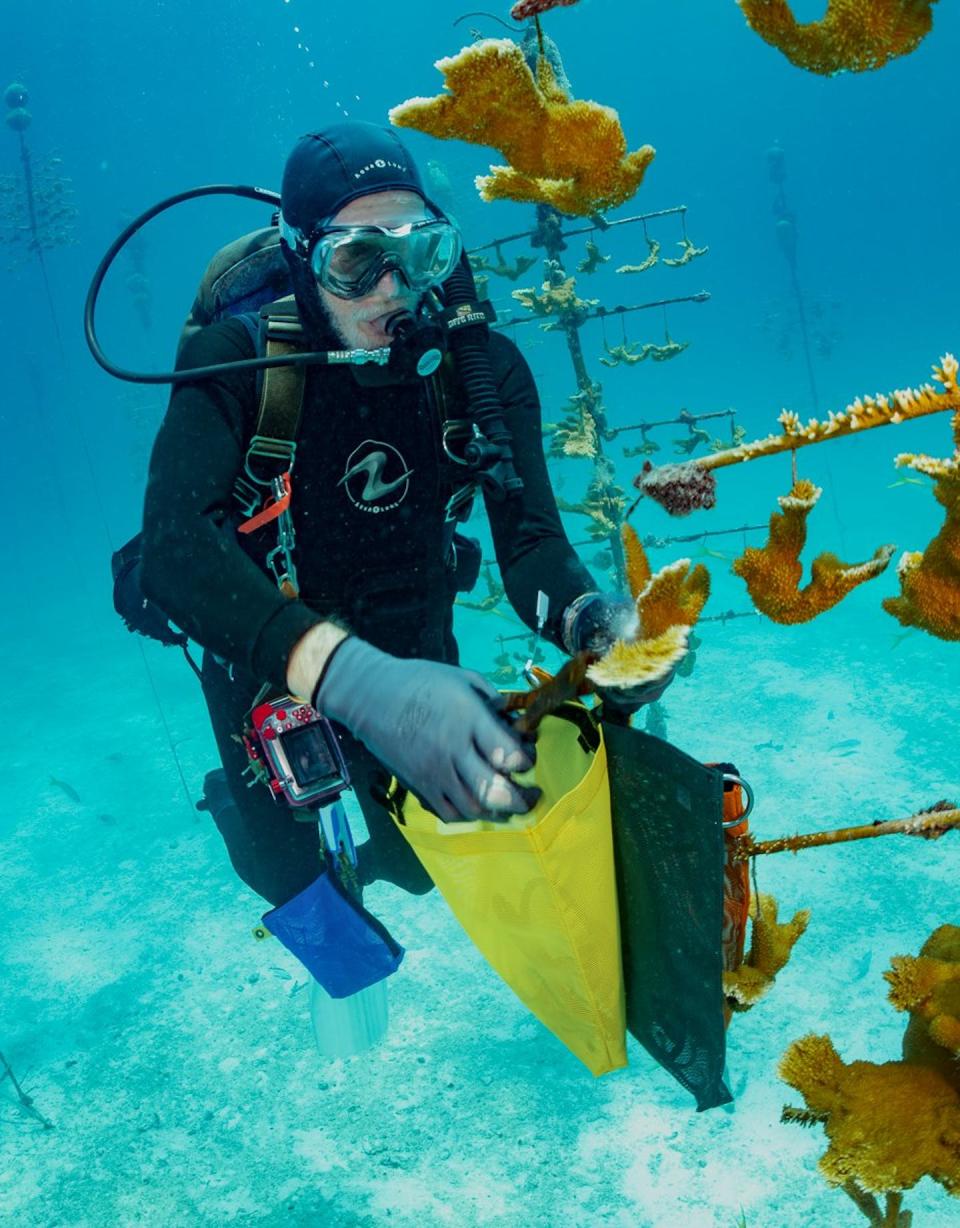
{"points": [[350, 260]]}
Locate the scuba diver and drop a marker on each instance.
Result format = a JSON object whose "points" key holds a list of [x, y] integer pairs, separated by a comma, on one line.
{"points": [[317, 562]]}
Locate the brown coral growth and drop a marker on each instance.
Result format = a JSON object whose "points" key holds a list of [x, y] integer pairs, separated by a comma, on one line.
{"points": [[891, 1124], [771, 945], [773, 572], [853, 35], [564, 152], [930, 580]]}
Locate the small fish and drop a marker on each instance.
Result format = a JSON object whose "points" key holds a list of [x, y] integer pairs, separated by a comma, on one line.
{"points": [[862, 966], [769, 746], [65, 787], [845, 754], [846, 744], [107, 820], [906, 482], [282, 973]]}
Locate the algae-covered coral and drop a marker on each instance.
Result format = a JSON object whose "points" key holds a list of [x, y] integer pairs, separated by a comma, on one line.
{"points": [[891, 1124], [852, 36], [773, 571], [568, 153]]}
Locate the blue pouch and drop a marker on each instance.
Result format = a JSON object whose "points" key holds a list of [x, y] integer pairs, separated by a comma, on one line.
{"points": [[343, 946]]}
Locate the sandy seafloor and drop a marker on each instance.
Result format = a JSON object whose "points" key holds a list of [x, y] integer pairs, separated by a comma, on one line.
{"points": [[174, 1053]]}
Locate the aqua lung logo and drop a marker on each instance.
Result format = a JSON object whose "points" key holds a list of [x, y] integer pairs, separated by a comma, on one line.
{"points": [[379, 165], [377, 478]]}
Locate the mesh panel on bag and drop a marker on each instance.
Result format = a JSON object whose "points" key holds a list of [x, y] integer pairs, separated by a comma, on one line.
{"points": [[667, 814]]}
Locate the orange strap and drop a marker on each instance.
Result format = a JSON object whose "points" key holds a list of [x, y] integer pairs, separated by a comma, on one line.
{"points": [[272, 509]]}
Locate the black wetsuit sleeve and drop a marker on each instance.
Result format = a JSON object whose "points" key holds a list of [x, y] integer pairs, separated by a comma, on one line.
{"points": [[193, 566], [532, 549]]}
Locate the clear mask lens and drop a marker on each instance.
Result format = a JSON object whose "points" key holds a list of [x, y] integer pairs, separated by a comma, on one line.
{"points": [[349, 261]]}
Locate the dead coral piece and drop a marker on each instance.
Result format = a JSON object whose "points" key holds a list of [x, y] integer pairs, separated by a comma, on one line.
{"points": [[689, 253], [627, 353], [593, 259], [558, 300], [771, 946], [571, 154], [502, 268], [773, 571], [654, 255], [680, 489], [670, 349], [576, 435], [853, 35], [930, 581], [603, 503], [533, 8], [890, 1124]]}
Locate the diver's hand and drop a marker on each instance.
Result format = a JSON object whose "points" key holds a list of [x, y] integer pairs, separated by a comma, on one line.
{"points": [[435, 726], [593, 624]]}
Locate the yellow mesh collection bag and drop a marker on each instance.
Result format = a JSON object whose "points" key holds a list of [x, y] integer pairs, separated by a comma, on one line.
{"points": [[537, 895]]}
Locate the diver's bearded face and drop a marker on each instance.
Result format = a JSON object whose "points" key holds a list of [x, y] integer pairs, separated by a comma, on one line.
{"points": [[359, 322]]}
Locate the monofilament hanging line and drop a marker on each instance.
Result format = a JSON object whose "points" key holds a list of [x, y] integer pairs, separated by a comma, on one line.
{"points": [[37, 245]]}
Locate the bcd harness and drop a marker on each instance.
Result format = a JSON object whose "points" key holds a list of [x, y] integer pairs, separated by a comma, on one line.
{"points": [[264, 488]]}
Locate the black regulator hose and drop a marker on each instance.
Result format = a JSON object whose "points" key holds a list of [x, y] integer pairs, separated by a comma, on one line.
{"points": [[263, 196], [493, 454]]}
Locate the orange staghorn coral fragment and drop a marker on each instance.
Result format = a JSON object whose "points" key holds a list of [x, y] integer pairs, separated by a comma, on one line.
{"points": [[676, 594], [668, 604], [930, 580], [639, 571], [773, 572], [853, 35], [891, 1124], [564, 152]]}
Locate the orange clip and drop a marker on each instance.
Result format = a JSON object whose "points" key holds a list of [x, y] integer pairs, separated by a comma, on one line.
{"points": [[272, 509]]}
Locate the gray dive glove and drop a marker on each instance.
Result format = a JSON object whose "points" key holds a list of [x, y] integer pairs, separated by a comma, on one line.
{"points": [[434, 726]]}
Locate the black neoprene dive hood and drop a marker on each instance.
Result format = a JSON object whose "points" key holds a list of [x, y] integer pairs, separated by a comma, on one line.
{"points": [[326, 170]]}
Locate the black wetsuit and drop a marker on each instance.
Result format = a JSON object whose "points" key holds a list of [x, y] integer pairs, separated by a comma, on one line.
{"points": [[369, 491]]}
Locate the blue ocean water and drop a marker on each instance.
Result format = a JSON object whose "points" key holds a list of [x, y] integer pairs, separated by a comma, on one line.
{"points": [[172, 1055]]}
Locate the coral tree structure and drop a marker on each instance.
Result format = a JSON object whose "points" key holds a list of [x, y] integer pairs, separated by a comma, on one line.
{"points": [[930, 581], [853, 36], [891, 1124], [682, 488], [773, 571], [564, 152], [668, 603]]}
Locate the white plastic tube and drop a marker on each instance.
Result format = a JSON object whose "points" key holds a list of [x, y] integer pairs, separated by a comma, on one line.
{"points": [[343, 1027]]}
